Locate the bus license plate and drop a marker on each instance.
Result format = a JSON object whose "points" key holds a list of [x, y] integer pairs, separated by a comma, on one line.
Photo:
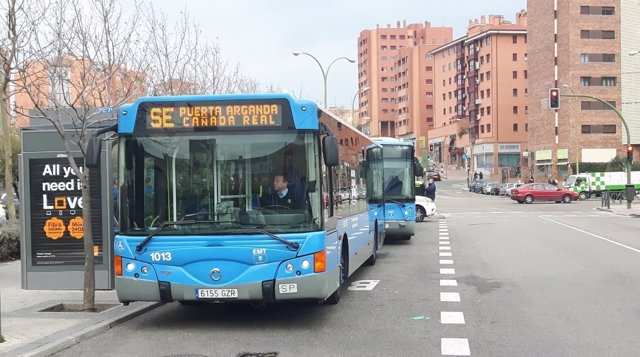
{"points": [[291, 288], [217, 293]]}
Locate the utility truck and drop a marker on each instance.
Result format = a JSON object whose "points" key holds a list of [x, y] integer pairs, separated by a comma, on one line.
{"points": [[592, 184]]}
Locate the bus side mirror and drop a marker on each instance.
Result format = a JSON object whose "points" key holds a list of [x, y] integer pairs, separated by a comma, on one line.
{"points": [[94, 146], [330, 151]]}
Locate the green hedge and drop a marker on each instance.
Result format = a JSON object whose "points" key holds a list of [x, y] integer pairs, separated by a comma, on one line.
{"points": [[9, 240]]}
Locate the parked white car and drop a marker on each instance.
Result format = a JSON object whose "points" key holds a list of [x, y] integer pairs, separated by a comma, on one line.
{"points": [[425, 207], [3, 214]]}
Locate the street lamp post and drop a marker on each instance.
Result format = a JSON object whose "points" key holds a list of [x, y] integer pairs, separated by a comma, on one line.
{"points": [[325, 74], [579, 150], [626, 128]]}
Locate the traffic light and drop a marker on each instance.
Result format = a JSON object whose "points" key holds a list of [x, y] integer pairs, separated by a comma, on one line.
{"points": [[554, 98], [630, 153]]}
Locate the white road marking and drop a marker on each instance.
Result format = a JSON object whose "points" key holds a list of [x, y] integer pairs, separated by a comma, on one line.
{"points": [[445, 248], [448, 282], [591, 234], [455, 347], [446, 261], [447, 271], [363, 284], [449, 297], [444, 243], [445, 254], [452, 317]]}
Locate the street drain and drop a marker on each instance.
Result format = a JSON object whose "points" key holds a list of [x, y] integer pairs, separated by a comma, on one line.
{"points": [[77, 308], [258, 354]]}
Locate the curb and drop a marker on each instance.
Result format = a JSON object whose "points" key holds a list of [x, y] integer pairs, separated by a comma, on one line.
{"points": [[73, 335]]}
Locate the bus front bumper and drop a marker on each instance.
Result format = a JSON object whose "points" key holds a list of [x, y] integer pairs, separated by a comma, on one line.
{"points": [[310, 287], [399, 228]]}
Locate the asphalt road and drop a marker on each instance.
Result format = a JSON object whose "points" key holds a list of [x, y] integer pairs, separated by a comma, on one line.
{"points": [[485, 277]]}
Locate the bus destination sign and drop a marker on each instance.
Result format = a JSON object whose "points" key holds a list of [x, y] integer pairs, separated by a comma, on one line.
{"points": [[205, 116]]}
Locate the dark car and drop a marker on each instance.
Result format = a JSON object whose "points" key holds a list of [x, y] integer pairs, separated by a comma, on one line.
{"points": [[542, 192], [475, 186], [434, 175], [495, 189]]}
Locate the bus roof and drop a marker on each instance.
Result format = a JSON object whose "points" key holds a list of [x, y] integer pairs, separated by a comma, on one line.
{"points": [[392, 141]]}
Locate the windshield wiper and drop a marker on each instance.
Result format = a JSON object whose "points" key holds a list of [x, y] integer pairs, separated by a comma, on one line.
{"points": [[290, 244], [394, 201], [161, 226]]}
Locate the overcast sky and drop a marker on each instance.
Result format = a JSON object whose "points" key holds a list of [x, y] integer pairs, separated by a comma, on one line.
{"points": [[261, 35]]}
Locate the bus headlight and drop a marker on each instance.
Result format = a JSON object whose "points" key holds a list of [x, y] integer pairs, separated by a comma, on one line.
{"points": [[144, 270], [130, 266], [289, 268], [305, 264]]}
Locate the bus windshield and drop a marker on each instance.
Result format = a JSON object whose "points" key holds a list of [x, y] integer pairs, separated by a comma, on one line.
{"points": [[221, 182], [398, 173]]}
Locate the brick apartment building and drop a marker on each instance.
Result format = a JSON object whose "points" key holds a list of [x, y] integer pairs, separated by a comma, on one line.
{"points": [[480, 91], [52, 84], [395, 79], [581, 48]]}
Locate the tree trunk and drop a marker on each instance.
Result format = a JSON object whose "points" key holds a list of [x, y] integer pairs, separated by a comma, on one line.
{"points": [[89, 295], [6, 131]]}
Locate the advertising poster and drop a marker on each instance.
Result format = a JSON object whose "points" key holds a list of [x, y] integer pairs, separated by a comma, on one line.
{"points": [[57, 233]]}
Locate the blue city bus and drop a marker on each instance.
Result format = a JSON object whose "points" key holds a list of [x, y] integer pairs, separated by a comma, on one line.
{"points": [[400, 169], [198, 217]]}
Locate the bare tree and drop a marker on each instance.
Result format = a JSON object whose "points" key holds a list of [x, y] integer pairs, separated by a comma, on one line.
{"points": [[183, 61], [16, 31], [90, 58]]}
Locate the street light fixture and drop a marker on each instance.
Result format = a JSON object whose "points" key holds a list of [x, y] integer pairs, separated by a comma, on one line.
{"points": [[633, 53], [353, 102], [325, 74]]}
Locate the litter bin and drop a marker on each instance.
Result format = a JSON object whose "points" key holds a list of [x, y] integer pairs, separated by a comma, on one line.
{"points": [[630, 192]]}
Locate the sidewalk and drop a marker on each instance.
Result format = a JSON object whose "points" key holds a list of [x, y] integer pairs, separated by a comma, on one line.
{"points": [[622, 209], [29, 332]]}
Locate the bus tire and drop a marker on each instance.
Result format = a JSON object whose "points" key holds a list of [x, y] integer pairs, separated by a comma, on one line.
{"points": [[374, 255], [344, 274]]}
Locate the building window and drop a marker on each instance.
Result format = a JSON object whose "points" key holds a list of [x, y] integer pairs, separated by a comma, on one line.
{"points": [[488, 110], [597, 57], [488, 128], [514, 39], [515, 109], [595, 105], [526, 74], [514, 57], [585, 81], [597, 10], [482, 129], [488, 93], [515, 92], [609, 81], [514, 74], [598, 129], [428, 68], [515, 127]]}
